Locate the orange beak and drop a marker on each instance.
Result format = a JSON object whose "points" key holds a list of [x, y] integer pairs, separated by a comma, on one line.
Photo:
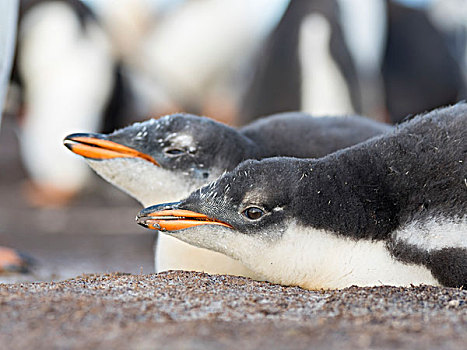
{"points": [[164, 218], [95, 146]]}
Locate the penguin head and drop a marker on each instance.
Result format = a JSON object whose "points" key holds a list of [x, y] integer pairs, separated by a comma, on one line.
{"points": [[244, 212], [163, 159]]}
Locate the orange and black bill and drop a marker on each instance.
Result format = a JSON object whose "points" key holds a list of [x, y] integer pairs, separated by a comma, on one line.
{"points": [[96, 146], [168, 217]]}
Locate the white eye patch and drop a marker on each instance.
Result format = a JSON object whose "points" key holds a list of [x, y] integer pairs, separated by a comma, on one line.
{"points": [[181, 140]]}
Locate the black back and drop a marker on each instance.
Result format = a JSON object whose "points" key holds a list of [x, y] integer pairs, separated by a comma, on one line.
{"points": [[411, 174], [215, 145], [296, 134], [414, 175]]}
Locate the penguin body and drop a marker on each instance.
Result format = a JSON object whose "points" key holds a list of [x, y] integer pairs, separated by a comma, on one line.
{"points": [[305, 65], [68, 80], [166, 159], [391, 210]]}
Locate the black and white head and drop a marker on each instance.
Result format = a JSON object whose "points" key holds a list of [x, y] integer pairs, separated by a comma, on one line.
{"points": [[163, 159], [245, 214]]}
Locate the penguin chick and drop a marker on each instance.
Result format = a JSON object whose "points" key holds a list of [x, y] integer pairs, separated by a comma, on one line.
{"points": [[166, 159], [392, 210]]}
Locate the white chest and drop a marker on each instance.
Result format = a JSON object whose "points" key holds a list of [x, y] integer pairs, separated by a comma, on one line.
{"points": [[317, 259], [324, 89]]}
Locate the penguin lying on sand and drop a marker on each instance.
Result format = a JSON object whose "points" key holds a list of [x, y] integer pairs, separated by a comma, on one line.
{"points": [[166, 159], [392, 210]]}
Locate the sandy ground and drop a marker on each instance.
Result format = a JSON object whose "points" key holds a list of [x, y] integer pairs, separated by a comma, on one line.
{"points": [[186, 310], [181, 310]]}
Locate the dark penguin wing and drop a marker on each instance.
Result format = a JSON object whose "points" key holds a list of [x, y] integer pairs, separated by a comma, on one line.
{"points": [[407, 188], [300, 135]]}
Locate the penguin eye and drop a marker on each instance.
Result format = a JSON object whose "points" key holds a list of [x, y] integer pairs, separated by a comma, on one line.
{"points": [[173, 151], [253, 213]]}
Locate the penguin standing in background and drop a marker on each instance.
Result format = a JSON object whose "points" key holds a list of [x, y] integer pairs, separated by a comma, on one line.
{"points": [[305, 65], [364, 26], [419, 71], [68, 80], [166, 159], [165, 46], [391, 210]]}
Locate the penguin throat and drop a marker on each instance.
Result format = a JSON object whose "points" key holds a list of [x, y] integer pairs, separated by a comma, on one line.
{"points": [[147, 183]]}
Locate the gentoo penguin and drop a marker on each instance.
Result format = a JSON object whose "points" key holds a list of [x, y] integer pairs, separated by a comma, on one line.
{"points": [[165, 43], [391, 210], [305, 65], [364, 26], [65, 68], [166, 159]]}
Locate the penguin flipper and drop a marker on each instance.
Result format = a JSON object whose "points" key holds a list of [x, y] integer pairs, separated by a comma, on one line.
{"points": [[449, 266]]}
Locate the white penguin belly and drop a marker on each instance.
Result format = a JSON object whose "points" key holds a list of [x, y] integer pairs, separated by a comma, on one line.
{"points": [[173, 254], [321, 260], [69, 78], [323, 88]]}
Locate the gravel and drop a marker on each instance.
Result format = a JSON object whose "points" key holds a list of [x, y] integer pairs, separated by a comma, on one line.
{"points": [[178, 310]]}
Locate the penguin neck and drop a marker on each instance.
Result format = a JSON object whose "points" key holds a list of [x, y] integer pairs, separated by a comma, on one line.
{"points": [[147, 183]]}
